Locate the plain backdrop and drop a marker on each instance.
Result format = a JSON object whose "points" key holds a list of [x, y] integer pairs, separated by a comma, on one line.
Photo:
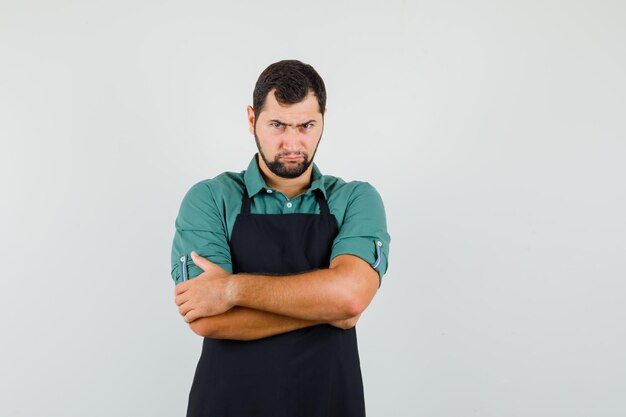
{"points": [[494, 131]]}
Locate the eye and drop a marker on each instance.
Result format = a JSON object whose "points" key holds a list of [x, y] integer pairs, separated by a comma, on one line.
{"points": [[277, 125], [307, 126]]}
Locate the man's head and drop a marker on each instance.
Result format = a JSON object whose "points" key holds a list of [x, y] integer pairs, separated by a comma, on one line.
{"points": [[291, 81], [287, 119]]}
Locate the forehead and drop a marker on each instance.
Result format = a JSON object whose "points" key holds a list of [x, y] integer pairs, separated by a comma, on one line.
{"points": [[306, 109]]}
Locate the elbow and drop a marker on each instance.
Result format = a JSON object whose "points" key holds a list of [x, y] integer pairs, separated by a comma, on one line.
{"points": [[353, 303], [357, 283], [358, 295], [198, 329], [203, 327], [354, 307], [208, 327]]}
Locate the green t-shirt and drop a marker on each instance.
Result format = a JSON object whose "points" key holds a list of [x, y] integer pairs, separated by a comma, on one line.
{"points": [[208, 211]]}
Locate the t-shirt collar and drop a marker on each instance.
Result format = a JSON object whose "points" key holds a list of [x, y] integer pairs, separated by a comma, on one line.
{"points": [[254, 180]]}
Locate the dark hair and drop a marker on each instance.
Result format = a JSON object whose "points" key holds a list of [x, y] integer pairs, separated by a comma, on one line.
{"points": [[292, 80]]}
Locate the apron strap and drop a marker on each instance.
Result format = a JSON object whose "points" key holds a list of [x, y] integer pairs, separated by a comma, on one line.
{"points": [[319, 196], [321, 200], [245, 202]]}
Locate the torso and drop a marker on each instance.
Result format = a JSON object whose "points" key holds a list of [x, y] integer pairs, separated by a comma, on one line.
{"points": [[311, 372]]}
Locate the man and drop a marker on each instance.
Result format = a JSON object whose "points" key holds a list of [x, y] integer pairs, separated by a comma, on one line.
{"points": [[285, 260]]}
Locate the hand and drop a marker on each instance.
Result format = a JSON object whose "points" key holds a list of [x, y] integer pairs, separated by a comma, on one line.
{"points": [[206, 295], [346, 323]]}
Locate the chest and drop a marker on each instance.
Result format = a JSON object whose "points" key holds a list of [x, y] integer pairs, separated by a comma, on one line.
{"points": [[282, 243]]}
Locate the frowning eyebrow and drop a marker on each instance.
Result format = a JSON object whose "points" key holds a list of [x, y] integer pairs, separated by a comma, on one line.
{"points": [[288, 124]]}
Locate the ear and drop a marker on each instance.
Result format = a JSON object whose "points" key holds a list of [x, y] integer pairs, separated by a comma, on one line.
{"points": [[250, 119]]}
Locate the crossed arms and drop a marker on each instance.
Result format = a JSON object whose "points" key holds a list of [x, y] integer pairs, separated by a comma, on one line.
{"points": [[246, 307]]}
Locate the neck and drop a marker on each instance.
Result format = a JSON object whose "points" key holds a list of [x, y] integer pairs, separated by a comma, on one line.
{"points": [[290, 187]]}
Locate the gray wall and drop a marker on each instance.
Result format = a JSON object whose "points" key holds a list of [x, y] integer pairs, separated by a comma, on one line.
{"points": [[493, 130]]}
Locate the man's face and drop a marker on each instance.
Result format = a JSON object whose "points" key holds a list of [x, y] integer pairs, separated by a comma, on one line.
{"points": [[287, 135]]}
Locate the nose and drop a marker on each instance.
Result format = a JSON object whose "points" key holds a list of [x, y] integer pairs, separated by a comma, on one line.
{"points": [[292, 140]]}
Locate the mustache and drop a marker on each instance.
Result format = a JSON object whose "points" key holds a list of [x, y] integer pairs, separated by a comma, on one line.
{"points": [[299, 153]]}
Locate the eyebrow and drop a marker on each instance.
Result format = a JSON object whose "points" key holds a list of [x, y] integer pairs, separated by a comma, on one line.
{"points": [[287, 124]]}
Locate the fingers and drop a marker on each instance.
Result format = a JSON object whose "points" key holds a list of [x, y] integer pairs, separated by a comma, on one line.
{"points": [[181, 287], [192, 296], [181, 299], [187, 308], [191, 316], [183, 302], [184, 309], [201, 262]]}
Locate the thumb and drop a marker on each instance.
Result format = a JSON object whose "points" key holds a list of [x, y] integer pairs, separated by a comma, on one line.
{"points": [[201, 262]]}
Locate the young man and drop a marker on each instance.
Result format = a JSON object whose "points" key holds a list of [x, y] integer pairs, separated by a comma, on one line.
{"points": [[284, 261]]}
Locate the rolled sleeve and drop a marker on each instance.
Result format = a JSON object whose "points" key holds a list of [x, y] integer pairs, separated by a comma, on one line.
{"points": [[363, 232], [200, 227]]}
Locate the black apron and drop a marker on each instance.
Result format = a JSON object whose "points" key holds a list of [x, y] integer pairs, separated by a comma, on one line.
{"points": [[310, 372]]}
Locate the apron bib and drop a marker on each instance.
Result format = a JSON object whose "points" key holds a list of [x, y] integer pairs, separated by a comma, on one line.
{"points": [[310, 372]]}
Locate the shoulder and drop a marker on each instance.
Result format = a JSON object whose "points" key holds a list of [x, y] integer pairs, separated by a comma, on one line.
{"points": [[212, 190], [345, 192], [207, 203], [356, 200], [360, 215]]}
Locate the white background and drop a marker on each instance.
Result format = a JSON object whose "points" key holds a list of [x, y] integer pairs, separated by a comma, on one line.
{"points": [[494, 131]]}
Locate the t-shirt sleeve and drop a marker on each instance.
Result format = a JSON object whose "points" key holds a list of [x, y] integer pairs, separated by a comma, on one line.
{"points": [[200, 227], [363, 232]]}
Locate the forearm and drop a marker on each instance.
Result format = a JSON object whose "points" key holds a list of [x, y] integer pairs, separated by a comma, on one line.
{"points": [[339, 292], [241, 323]]}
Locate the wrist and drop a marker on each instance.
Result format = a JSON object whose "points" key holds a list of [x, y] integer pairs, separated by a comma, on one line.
{"points": [[233, 289]]}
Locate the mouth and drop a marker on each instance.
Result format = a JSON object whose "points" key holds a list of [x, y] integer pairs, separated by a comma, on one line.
{"points": [[291, 158]]}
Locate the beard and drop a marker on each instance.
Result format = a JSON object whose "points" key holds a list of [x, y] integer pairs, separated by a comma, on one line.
{"points": [[286, 170]]}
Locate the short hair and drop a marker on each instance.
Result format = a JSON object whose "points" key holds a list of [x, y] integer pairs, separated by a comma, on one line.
{"points": [[292, 80]]}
